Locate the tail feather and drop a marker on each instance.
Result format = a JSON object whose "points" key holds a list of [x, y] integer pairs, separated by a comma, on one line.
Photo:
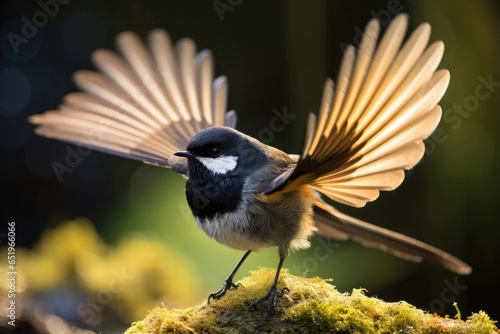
{"points": [[333, 223]]}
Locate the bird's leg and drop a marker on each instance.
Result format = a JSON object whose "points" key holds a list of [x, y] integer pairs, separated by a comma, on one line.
{"points": [[272, 294], [228, 283]]}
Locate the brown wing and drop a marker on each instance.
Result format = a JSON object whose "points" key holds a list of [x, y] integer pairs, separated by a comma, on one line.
{"points": [[371, 128], [144, 104]]}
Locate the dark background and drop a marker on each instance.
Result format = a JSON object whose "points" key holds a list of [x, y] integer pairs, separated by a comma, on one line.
{"points": [[275, 54]]}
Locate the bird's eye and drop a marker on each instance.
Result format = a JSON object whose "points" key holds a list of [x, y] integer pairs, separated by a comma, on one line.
{"points": [[214, 152]]}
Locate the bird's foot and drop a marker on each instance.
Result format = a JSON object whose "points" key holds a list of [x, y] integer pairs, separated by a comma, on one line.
{"points": [[271, 295], [228, 284]]}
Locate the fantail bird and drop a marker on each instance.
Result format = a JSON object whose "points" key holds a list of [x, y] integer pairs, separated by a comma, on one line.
{"points": [[147, 104]]}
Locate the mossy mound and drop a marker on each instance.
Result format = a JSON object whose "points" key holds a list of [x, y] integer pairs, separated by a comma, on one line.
{"points": [[312, 306]]}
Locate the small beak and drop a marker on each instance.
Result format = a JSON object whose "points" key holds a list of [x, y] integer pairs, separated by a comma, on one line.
{"points": [[185, 154]]}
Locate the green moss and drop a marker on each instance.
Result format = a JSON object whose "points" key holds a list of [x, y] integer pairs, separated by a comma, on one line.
{"points": [[73, 256], [312, 305]]}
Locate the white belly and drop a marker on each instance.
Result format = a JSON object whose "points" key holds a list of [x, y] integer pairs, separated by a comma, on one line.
{"points": [[231, 230], [256, 225]]}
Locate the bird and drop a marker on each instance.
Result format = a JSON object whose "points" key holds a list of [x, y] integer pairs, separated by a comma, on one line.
{"points": [[159, 103]]}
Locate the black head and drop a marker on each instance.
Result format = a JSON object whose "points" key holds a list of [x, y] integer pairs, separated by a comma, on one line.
{"points": [[220, 151], [219, 161]]}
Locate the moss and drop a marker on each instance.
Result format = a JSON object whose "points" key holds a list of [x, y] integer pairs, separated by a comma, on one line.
{"points": [[312, 305], [72, 257]]}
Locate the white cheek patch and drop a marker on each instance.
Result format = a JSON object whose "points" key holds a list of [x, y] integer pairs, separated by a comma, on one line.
{"points": [[219, 165]]}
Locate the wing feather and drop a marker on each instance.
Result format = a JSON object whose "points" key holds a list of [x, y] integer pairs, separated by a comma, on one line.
{"points": [[186, 52], [343, 82], [403, 63], [116, 69], [360, 70], [204, 64], [382, 59], [141, 62], [144, 103], [220, 99], [371, 127], [168, 70]]}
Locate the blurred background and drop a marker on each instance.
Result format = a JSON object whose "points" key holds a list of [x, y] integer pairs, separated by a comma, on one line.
{"points": [[115, 238]]}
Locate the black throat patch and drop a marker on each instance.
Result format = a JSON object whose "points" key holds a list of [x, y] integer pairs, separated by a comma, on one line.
{"points": [[209, 194]]}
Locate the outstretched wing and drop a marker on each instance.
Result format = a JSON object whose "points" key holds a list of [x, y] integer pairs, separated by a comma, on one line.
{"points": [[145, 103], [372, 126]]}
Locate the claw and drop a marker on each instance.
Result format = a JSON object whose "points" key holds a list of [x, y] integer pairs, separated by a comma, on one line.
{"points": [[271, 295], [282, 292], [228, 284]]}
